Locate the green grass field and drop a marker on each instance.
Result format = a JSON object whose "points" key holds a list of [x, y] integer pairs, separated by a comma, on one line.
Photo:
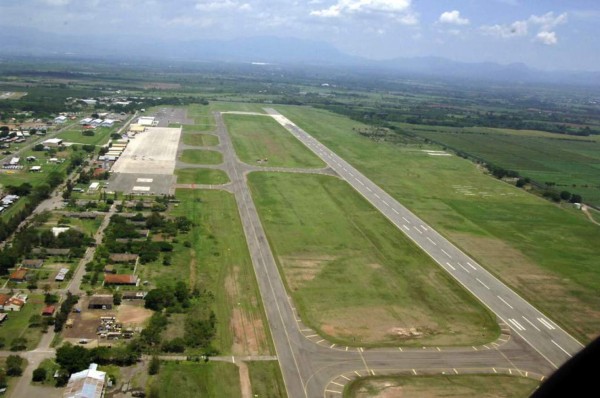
{"points": [[17, 323], [201, 156], [261, 137], [573, 164], [266, 379], [353, 275], [194, 380], [546, 252], [463, 386], [201, 176], [100, 137], [200, 139], [218, 261]]}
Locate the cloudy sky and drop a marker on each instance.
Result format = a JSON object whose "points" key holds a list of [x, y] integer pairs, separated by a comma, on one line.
{"points": [[547, 34]]}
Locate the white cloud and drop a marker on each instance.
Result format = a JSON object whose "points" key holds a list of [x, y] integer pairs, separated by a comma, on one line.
{"points": [[453, 17], [343, 7], [222, 5], [548, 38], [542, 23]]}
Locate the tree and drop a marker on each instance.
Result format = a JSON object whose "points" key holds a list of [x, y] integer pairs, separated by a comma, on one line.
{"points": [[14, 365], [565, 195], [39, 374], [18, 344], [117, 298], [35, 320], [73, 358], [575, 198], [3, 381], [154, 366]]}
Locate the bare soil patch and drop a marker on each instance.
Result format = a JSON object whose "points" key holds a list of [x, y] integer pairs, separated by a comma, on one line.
{"points": [[302, 269], [249, 334], [133, 314], [245, 383]]}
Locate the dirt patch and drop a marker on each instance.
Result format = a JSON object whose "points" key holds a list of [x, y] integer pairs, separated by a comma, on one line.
{"points": [[245, 384], [377, 324], [193, 270], [85, 323], [133, 314], [542, 287], [299, 270], [249, 336]]}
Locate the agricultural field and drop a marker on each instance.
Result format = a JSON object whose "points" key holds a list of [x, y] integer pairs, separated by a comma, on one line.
{"points": [[218, 261], [201, 176], [572, 163], [261, 140], [266, 379], [458, 386], [546, 252], [201, 156], [197, 139], [353, 276], [193, 380]]}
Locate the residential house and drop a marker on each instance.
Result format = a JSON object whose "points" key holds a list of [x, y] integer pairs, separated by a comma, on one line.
{"points": [[120, 279], [88, 383], [32, 263], [19, 275]]}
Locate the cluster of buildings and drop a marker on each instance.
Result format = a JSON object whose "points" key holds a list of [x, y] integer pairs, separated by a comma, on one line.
{"points": [[90, 123], [114, 151], [89, 383], [9, 303]]}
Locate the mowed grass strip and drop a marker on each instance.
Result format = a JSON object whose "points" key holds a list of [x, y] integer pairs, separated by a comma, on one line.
{"points": [[456, 386], [218, 261], [201, 156], [353, 276], [548, 254], [100, 136], [262, 138], [198, 139], [266, 379], [194, 380], [201, 176]]}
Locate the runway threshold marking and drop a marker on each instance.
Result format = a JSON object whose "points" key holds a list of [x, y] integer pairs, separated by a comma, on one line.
{"points": [[505, 302], [484, 285], [446, 253], [531, 323], [450, 265], [562, 349], [546, 323]]}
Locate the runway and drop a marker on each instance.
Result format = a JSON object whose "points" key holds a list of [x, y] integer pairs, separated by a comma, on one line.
{"points": [[317, 368]]}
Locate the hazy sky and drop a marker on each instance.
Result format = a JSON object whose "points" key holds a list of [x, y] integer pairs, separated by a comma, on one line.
{"points": [[548, 34]]}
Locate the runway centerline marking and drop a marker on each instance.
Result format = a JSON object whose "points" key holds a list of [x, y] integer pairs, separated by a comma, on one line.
{"points": [[386, 203], [405, 227], [418, 230], [484, 285], [463, 267], [562, 349], [505, 302], [395, 211], [369, 189], [531, 323], [446, 253], [450, 265], [406, 219], [429, 239]]}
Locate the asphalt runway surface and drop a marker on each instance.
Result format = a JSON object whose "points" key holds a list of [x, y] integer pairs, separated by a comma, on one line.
{"points": [[314, 367]]}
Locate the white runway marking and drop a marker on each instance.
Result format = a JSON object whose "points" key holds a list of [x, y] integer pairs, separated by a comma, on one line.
{"points": [[351, 175], [386, 203], [405, 227], [505, 302], [429, 239], [463, 267], [360, 182], [516, 324], [531, 323], [418, 230], [369, 189], [405, 219], [471, 265], [446, 253], [424, 228], [450, 265], [377, 196], [395, 211], [484, 285], [546, 323], [139, 188], [563, 350]]}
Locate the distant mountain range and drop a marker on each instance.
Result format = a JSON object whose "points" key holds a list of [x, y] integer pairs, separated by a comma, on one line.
{"points": [[270, 50]]}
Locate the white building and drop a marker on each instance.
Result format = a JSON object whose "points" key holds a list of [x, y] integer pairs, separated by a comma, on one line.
{"points": [[88, 383], [107, 123], [60, 119], [87, 120], [53, 142], [147, 121], [59, 230]]}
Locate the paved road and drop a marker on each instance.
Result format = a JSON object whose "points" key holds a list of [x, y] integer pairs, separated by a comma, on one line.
{"points": [[315, 368], [534, 327]]}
